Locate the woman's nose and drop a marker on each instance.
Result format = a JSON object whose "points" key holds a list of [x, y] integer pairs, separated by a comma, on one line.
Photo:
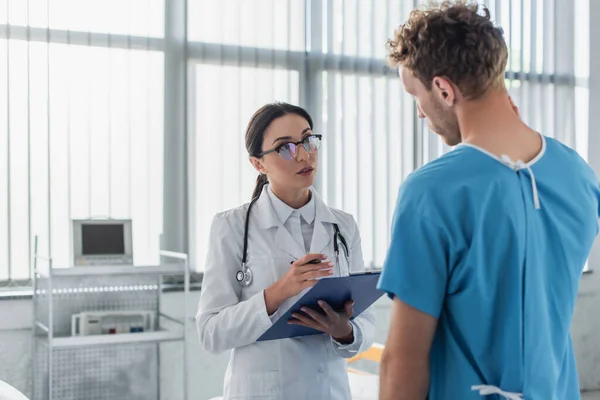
{"points": [[301, 153]]}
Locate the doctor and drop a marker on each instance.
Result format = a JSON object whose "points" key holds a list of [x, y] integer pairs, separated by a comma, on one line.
{"points": [[288, 225]]}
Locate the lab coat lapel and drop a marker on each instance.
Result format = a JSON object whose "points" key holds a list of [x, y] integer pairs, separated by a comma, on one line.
{"points": [[286, 242], [267, 219], [323, 231]]}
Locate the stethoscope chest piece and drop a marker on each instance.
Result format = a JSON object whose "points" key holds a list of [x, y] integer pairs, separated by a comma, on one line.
{"points": [[244, 276]]}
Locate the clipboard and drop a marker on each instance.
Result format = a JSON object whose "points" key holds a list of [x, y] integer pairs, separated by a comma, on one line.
{"points": [[360, 287]]}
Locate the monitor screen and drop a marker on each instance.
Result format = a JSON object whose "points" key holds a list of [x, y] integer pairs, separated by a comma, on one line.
{"points": [[97, 239]]}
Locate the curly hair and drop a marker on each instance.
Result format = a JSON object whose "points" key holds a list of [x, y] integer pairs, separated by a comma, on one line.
{"points": [[455, 40]]}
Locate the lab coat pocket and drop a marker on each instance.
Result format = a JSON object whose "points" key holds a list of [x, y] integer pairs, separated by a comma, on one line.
{"points": [[262, 385]]}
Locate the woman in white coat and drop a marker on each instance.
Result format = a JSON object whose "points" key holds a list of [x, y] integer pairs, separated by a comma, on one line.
{"points": [[289, 225]]}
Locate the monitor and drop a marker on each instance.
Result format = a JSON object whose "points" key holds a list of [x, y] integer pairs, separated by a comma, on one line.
{"points": [[102, 242]]}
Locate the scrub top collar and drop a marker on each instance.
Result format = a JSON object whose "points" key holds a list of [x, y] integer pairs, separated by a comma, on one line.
{"points": [[517, 165]]}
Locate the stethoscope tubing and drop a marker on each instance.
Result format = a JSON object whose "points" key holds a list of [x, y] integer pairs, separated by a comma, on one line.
{"points": [[244, 275]]}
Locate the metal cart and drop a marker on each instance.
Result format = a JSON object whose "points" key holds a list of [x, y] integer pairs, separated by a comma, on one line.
{"points": [[109, 366]]}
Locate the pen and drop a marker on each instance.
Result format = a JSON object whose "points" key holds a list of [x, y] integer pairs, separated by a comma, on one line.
{"points": [[317, 261]]}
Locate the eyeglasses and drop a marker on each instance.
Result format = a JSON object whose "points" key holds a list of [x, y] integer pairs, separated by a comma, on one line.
{"points": [[288, 151]]}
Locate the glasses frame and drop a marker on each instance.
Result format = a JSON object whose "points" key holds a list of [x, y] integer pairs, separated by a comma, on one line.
{"points": [[303, 142]]}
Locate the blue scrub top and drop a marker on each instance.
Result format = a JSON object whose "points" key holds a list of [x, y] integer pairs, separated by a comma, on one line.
{"points": [[470, 247]]}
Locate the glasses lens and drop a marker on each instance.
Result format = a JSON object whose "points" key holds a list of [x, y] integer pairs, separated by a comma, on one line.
{"points": [[312, 144], [287, 151]]}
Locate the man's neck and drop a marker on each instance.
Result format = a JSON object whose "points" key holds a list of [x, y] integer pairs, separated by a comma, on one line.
{"points": [[494, 125]]}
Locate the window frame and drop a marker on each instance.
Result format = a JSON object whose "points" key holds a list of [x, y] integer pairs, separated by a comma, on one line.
{"points": [[181, 55], [32, 34]]}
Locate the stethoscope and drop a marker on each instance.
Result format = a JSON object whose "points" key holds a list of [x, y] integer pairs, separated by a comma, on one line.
{"points": [[244, 275]]}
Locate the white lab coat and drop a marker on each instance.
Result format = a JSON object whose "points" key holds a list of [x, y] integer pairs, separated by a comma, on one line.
{"points": [[232, 317]]}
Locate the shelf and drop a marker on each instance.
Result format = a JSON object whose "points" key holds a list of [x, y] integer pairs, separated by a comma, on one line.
{"points": [[118, 270], [62, 290], [99, 340]]}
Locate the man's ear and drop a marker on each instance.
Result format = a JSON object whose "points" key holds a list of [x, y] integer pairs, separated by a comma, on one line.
{"points": [[444, 90], [258, 165]]}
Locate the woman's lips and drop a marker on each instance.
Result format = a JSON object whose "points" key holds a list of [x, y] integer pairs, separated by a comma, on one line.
{"points": [[306, 171]]}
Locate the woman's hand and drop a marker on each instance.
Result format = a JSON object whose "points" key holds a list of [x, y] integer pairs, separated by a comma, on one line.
{"points": [[300, 276], [336, 324]]}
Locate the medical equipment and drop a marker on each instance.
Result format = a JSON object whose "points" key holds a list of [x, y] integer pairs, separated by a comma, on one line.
{"points": [[102, 242], [244, 275], [338, 238], [69, 365], [111, 322]]}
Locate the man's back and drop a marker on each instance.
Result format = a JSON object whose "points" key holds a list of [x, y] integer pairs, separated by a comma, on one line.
{"points": [[495, 250]]}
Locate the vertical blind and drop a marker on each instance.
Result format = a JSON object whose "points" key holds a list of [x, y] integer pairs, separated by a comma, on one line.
{"points": [[327, 56], [547, 72], [367, 117], [81, 131], [372, 138], [82, 107], [242, 56]]}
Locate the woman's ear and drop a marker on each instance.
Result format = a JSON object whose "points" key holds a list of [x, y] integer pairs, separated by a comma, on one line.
{"points": [[258, 165]]}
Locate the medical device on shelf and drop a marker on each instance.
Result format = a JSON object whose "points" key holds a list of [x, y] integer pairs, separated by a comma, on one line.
{"points": [[102, 242], [89, 323]]}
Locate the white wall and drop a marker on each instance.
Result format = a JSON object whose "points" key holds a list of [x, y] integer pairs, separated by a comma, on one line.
{"points": [[206, 370], [585, 331], [586, 323]]}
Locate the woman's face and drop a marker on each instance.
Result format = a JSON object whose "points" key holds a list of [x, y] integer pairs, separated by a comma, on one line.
{"points": [[299, 171]]}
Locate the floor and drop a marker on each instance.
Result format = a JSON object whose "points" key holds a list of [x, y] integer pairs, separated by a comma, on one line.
{"points": [[591, 396]]}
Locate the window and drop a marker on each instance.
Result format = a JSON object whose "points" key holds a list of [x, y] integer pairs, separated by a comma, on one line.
{"points": [[82, 108], [143, 18], [268, 24], [242, 56], [372, 138], [367, 117], [81, 117], [223, 178], [547, 73], [368, 152], [338, 74]]}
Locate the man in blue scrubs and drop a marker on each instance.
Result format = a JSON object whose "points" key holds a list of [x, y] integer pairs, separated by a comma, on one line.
{"points": [[488, 241]]}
